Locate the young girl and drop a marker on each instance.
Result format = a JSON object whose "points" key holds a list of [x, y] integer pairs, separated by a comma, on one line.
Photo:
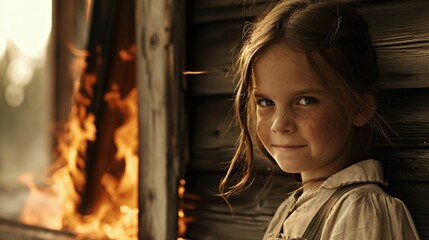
{"points": [[306, 98]]}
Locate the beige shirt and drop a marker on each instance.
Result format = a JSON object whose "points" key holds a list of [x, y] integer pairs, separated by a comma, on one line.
{"points": [[365, 212]]}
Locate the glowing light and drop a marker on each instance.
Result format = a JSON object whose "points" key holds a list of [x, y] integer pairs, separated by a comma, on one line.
{"points": [[194, 72], [14, 95], [20, 71], [128, 54], [3, 36], [26, 23]]}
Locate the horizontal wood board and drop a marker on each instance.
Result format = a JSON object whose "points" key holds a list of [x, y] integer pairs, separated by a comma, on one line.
{"points": [[209, 218], [398, 28], [15, 231]]}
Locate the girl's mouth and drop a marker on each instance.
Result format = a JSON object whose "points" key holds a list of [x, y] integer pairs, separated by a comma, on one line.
{"points": [[289, 147]]}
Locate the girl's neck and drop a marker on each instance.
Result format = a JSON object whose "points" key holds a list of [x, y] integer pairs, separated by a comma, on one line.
{"points": [[312, 183]]}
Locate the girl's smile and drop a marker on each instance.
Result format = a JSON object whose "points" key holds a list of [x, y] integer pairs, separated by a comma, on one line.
{"points": [[297, 117], [288, 147]]}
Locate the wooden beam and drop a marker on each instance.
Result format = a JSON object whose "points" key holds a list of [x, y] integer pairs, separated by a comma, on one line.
{"points": [[14, 230], [159, 44], [69, 31]]}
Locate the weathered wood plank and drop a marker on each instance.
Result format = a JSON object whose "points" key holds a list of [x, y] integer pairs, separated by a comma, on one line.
{"points": [[406, 164], [70, 30], [16, 231], [400, 34], [253, 209], [214, 159], [415, 196], [158, 81], [222, 37], [217, 81], [202, 12], [407, 111], [398, 28], [212, 125], [212, 44]]}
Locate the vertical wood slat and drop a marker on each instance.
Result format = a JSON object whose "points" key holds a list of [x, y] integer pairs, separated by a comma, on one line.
{"points": [[151, 82], [69, 27], [158, 32]]}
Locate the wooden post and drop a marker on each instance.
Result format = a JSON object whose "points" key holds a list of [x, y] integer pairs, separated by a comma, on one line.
{"points": [[159, 45], [70, 29]]}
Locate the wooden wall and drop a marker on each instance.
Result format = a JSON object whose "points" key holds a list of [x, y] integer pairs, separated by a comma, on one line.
{"points": [[400, 31]]}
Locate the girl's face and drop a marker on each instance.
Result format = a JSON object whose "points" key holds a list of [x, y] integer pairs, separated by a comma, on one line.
{"points": [[298, 118]]}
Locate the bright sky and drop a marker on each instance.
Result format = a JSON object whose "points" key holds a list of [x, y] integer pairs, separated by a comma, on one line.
{"points": [[27, 23]]}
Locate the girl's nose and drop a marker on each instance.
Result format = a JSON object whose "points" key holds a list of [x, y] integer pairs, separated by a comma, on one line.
{"points": [[283, 123]]}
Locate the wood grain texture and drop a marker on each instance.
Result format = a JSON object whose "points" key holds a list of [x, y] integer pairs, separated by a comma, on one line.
{"points": [[400, 34], [406, 164], [209, 11], [212, 125], [158, 73], [210, 217], [69, 27], [398, 29], [414, 195], [407, 111], [16, 231]]}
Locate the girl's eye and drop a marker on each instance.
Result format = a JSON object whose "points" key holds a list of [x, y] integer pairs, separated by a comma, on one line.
{"points": [[307, 101], [265, 102]]}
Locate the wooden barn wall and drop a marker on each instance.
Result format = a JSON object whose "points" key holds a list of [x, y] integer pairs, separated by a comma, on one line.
{"points": [[400, 31]]}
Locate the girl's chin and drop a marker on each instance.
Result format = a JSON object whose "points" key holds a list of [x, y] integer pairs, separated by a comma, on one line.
{"points": [[289, 169], [290, 165]]}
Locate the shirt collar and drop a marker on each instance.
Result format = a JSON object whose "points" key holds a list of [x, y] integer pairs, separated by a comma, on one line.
{"points": [[364, 171]]}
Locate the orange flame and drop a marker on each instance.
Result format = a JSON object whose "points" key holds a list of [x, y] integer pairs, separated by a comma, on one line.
{"points": [[181, 212], [128, 54], [195, 72], [54, 206]]}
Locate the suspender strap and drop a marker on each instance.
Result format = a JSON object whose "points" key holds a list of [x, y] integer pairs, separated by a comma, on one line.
{"points": [[314, 228]]}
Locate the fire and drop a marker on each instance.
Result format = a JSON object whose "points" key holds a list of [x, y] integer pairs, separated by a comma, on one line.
{"points": [[194, 72], [189, 204], [181, 212], [55, 205]]}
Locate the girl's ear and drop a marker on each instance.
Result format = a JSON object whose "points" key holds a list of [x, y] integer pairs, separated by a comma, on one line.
{"points": [[366, 111]]}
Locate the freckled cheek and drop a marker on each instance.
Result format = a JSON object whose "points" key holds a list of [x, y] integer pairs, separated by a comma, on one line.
{"points": [[323, 129], [262, 127]]}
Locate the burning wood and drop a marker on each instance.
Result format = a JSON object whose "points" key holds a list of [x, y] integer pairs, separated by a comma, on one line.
{"points": [[55, 206], [92, 188]]}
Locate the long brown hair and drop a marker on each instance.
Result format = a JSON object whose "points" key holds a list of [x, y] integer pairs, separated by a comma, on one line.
{"points": [[330, 33]]}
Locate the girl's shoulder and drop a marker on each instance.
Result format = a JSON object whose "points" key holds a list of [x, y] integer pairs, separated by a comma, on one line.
{"points": [[369, 188], [369, 194], [368, 212], [370, 204]]}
